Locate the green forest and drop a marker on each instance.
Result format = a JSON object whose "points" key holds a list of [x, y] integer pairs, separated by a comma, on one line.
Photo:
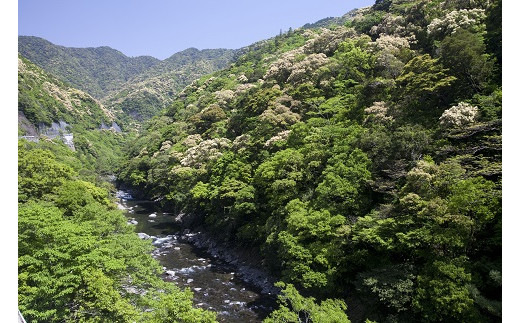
{"points": [[361, 161]]}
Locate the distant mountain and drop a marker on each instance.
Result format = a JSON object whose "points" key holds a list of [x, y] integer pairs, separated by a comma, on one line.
{"points": [[147, 93], [94, 70], [136, 87]]}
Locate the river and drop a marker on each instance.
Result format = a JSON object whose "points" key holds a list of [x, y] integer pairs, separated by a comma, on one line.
{"points": [[215, 284]]}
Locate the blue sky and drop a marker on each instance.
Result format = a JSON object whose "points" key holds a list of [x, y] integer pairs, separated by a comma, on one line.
{"points": [[161, 28]]}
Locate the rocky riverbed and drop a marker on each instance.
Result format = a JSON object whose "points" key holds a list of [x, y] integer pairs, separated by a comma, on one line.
{"points": [[220, 279]]}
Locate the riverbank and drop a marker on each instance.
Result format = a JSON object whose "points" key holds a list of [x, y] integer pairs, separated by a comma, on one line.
{"points": [[222, 279], [247, 270]]}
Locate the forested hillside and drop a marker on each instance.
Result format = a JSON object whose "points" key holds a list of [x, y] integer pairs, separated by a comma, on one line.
{"points": [[148, 93], [134, 88], [49, 109], [78, 259], [362, 160], [94, 70]]}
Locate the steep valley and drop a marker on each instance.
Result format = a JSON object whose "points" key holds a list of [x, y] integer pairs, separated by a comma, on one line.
{"points": [[357, 161]]}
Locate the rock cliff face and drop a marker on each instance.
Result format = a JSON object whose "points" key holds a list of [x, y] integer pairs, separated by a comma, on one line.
{"points": [[59, 129], [56, 129], [114, 126], [25, 126]]}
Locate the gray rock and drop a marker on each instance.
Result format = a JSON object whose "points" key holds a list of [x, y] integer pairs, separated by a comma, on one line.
{"points": [[161, 241], [143, 236]]}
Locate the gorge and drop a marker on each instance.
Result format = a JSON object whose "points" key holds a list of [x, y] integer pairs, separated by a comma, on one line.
{"points": [[346, 171]]}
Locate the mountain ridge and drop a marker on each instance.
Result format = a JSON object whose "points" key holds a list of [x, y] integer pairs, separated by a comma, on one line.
{"points": [[146, 83], [84, 68]]}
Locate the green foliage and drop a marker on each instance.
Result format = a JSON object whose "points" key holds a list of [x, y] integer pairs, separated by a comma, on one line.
{"points": [[228, 196], [494, 34], [78, 260], [392, 286], [281, 177], [355, 63], [39, 173], [344, 182], [490, 106], [174, 307], [100, 150], [442, 292], [72, 196], [369, 20], [296, 308], [464, 54], [423, 86], [307, 245]]}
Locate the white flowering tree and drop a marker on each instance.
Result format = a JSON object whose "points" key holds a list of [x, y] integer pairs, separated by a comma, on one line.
{"points": [[282, 67], [389, 49], [467, 19], [281, 136], [328, 40], [205, 151], [279, 115], [395, 26], [459, 115], [307, 69], [224, 96], [378, 113]]}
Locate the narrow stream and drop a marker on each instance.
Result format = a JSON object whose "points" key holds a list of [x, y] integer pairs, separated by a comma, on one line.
{"points": [[213, 282]]}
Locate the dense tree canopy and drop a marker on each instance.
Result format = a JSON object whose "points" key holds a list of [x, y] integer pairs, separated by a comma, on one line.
{"points": [[79, 260], [364, 160]]}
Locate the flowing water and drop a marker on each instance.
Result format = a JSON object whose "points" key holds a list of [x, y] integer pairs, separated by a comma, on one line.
{"points": [[213, 282]]}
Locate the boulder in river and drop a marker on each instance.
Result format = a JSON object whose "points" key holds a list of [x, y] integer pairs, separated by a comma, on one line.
{"points": [[161, 241], [143, 236]]}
